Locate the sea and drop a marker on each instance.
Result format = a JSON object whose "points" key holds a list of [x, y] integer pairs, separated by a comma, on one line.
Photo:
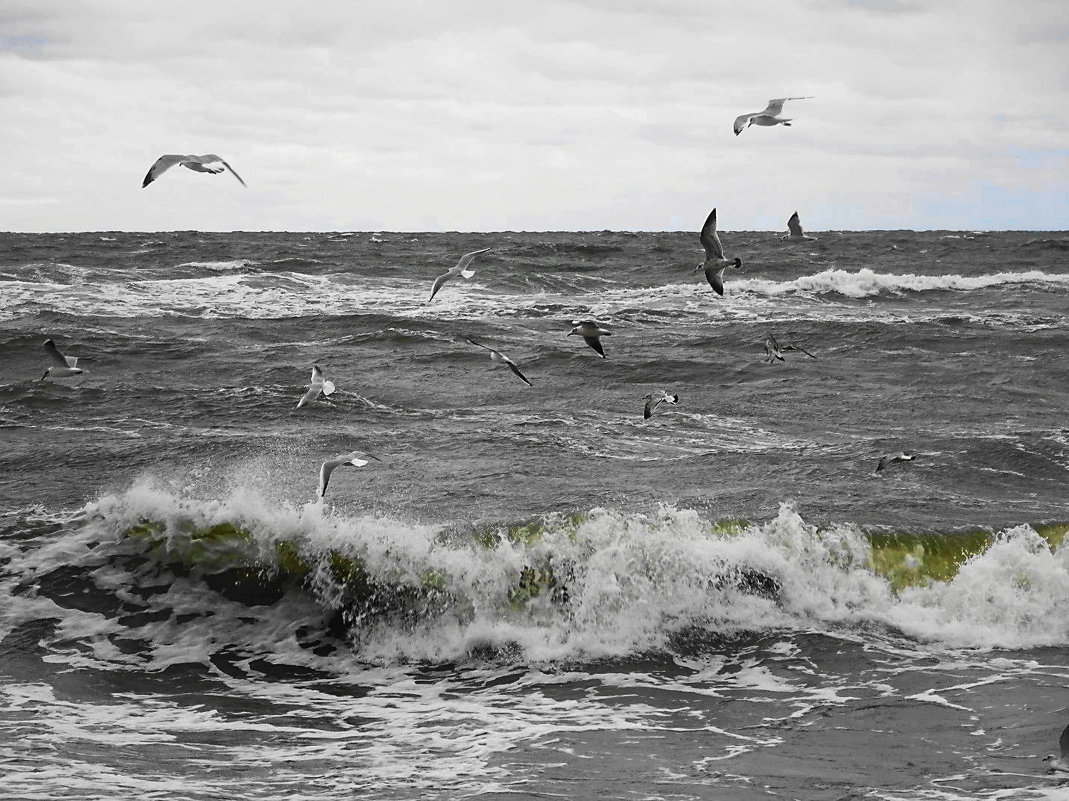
{"points": [[532, 591]]}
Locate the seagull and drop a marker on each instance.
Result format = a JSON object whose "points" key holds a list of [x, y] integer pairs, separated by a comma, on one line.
{"points": [[794, 229], [907, 456], [770, 115], [497, 357], [653, 400], [460, 269], [591, 332], [715, 263], [318, 384], [356, 459], [1060, 765], [209, 163], [774, 350], [64, 367]]}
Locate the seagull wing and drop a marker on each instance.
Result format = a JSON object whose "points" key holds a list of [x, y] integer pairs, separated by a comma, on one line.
{"points": [[709, 239], [317, 375], [57, 357], [163, 163], [233, 172], [716, 279], [465, 260], [438, 282], [324, 476], [651, 404], [479, 345], [794, 226], [595, 343], [516, 370], [775, 106], [1063, 743], [310, 395]]}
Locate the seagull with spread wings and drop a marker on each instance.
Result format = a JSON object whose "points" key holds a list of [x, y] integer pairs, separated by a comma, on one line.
{"points": [[715, 263], [591, 333], [354, 459], [461, 269], [770, 115], [794, 229], [497, 357], [64, 366], [209, 163], [319, 383]]}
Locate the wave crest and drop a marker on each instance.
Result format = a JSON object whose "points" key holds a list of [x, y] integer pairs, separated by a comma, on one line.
{"points": [[866, 283]]}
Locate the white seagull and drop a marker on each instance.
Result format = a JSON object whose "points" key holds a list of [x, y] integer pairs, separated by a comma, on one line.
{"points": [[460, 269], [774, 350], [355, 459], [318, 384], [770, 115], [794, 229], [209, 163], [654, 399], [64, 367], [888, 460], [715, 263], [497, 357], [1060, 765], [591, 332]]}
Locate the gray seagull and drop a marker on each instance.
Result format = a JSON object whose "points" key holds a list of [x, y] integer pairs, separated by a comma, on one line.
{"points": [[774, 350], [209, 163], [1060, 765], [355, 459], [715, 263], [888, 460], [794, 230], [591, 333], [319, 383], [460, 269], [64, 367], [497, 357], [769, 116], [654, 399]]}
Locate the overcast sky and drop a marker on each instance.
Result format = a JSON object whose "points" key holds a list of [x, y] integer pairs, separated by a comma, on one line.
{"points": [[488, 115]]}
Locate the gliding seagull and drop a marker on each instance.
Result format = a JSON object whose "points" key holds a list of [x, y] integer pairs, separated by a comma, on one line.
{"points": [[460, 269], [64, 367], [209, 163], [356, 459], [318, 384], [1060, 765], [770, 115], [591, 332], [774, 350], [497, 357], [715, 263], [906, 456], [653, 400], [794, 229]]}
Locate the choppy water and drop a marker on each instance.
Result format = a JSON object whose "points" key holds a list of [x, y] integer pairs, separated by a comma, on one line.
{"points": [[182, 618]]}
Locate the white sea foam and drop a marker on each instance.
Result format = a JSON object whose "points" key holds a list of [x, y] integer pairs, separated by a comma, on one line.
{"points": [[866, 282]]}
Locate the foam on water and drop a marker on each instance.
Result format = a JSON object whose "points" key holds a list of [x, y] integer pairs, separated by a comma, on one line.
{"points": [[632, 582], [866, 282]]}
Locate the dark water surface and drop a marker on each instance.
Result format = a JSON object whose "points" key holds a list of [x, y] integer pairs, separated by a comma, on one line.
{"points": [[182, 618]]}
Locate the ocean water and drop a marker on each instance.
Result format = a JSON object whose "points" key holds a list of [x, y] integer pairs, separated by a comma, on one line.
{"points": [[534, 592]]}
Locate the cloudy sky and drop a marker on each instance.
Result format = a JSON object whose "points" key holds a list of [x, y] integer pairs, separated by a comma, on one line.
{"points": [[487, 115]]}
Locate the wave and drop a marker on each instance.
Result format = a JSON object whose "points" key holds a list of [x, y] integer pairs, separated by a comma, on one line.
{"points": [[866, 282], [601, 584], [226, 266]]}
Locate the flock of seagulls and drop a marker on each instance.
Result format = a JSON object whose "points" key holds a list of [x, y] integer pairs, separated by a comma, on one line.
{"points": [[714, 266]]}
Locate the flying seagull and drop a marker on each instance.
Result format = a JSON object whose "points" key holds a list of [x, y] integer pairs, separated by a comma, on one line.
{"points": [[794, 229], [770, 115], [591, 333], [715, 263], [64, 367], [460, 269], [654, 399], [497, 357], [888, 460], [209, 163], [774, 350], [356, 459], [318, 384], [1060, 765]]}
